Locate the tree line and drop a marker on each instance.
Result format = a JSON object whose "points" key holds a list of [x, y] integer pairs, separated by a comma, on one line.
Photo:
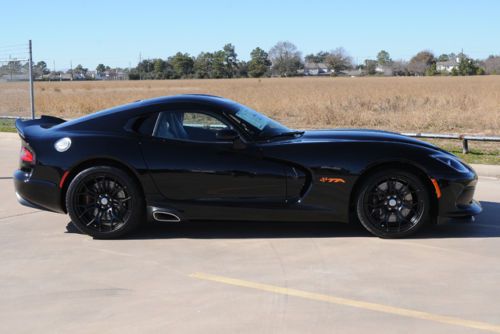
{"points": [[284, 59], [218, 64]]}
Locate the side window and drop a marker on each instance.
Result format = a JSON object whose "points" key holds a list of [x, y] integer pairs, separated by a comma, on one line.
{"points": [[145, 125], [188, 125], [199, 120]]}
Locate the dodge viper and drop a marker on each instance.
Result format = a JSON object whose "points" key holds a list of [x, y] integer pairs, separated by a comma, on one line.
{"points": [[201, 157]]}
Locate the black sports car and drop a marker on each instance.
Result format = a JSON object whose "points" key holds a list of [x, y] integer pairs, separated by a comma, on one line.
{"points": [[200, 157]]}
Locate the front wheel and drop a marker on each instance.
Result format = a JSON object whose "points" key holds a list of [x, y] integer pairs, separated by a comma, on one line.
{"points": [[393, 204], [105, 202]]}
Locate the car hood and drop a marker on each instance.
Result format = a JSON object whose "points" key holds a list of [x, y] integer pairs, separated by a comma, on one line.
{"points": [[361, 135]]}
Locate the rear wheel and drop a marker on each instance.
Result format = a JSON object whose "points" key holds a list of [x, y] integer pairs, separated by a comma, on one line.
{"points": [[393, 204], [105, 202]]}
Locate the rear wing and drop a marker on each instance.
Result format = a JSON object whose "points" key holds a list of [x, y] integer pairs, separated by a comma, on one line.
{"points": [[43, 122]]}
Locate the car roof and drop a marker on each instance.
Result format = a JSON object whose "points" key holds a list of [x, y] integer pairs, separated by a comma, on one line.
{"points": [[135, 108], [201, 98]]}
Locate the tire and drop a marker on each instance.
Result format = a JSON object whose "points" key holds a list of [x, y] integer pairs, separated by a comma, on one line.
{"points": [[105, 202], [393, 204]]}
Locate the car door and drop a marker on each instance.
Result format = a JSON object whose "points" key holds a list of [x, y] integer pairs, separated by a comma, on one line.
{"points": [[190, 165]]}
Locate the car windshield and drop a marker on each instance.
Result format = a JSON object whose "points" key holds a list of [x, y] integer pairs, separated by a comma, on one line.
{"points": [[261, 126]]}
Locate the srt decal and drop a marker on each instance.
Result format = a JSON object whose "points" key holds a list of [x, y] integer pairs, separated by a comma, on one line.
{"points": [[331, 180]]}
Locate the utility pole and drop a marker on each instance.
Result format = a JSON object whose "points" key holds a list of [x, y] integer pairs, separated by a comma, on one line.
{"points": [[11, 67], [140, 61], [30, 71], [71, 69]]}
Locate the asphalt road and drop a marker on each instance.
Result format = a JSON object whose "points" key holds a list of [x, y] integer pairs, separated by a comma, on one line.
{"points": [[245, 278]]}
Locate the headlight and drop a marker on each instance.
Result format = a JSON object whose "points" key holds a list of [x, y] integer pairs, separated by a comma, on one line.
{"points": [[62, 144], [452, 162]]}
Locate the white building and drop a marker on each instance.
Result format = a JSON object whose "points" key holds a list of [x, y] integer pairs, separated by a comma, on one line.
{"points": [[447, 66], [316, 69], [384, 70]]}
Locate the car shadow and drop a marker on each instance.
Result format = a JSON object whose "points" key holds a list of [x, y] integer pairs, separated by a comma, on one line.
{"points": [[486, 225]]}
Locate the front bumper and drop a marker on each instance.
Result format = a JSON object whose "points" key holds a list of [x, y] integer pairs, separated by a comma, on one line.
{"points": [[457, 198], [471, 209], [39, 194]]}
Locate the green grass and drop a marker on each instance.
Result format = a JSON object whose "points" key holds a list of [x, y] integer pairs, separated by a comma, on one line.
{"points": [[487, 153], [478, 157], [7, 125]]}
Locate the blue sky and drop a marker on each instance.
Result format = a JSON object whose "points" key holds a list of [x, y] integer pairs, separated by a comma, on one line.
{"points": [[115, 32]]}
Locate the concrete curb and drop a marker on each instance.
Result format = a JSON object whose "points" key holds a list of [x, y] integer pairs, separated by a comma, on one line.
{"points": [[487, 170]]}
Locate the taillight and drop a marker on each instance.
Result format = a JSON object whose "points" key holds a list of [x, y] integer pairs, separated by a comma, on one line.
{"points": [[27, 156]]}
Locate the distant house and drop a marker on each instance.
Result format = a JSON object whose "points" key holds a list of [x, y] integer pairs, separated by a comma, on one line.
{"points": [[447, 66], [13, 74], [93, 74], [353, 73], [14, 77], [316, 69], [77, 76], [384, 70], [57, 76], [117, 75], [108, 75]]}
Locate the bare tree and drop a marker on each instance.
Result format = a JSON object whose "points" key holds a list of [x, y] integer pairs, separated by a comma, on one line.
{"points": [[338, 60], [399, 67], [492, 65], [421, 62], [316, 58], [285, 59]]}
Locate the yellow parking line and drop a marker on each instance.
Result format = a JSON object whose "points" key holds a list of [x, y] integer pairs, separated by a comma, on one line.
{"points": [[349, 302]]}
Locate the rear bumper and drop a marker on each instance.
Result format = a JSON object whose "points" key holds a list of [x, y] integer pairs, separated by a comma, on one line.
{"points": [[39, 194]]}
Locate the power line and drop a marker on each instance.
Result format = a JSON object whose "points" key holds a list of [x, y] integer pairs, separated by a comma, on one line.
{"points": [[8, 60], [14, 51], [13, 46]]}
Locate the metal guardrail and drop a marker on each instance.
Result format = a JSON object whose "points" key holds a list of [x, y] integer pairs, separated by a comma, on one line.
{"points": [[464, 138], [13, 117]]}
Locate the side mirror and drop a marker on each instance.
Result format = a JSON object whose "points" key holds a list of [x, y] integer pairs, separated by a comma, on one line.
{"points": [[227, 135]]}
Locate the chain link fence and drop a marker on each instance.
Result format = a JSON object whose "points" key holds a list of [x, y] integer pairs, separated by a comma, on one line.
{"points": [[15, 80]]}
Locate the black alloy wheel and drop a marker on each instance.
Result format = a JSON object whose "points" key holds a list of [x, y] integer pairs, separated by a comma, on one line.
{"points": [[104, 202], [393, 204]]}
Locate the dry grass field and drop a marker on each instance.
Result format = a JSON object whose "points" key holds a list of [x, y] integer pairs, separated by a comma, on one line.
{"points": [[434, 104]]}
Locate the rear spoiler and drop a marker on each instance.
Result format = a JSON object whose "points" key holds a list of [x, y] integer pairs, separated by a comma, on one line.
{"points": [[42, 122]]}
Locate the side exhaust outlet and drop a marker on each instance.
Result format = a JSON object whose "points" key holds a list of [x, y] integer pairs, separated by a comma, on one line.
{"points": [[164, 216]]}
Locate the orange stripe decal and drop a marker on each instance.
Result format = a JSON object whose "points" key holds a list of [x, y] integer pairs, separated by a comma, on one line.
{"points": [[436, 186]]}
